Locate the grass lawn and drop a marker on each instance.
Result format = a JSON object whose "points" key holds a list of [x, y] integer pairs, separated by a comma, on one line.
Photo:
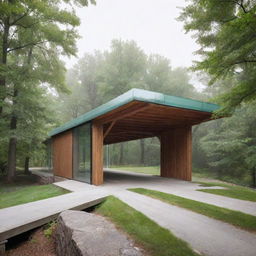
{"points": [[154, 170], [153, 238], [236, 218], [12, 194], [20, 181], [233, 191]]}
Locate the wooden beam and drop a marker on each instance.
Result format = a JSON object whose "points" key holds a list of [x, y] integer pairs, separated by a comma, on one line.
{"points": [[109, 129], [97, 154], [176, 153], [123, 113]]}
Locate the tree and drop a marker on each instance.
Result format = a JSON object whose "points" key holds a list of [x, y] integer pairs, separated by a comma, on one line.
{"points": [[124, 68], [32, 36], [225, 31], [230, 147], [89, 72]]}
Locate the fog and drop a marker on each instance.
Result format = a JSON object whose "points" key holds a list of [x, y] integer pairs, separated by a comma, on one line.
{"points": [[152, 24]]}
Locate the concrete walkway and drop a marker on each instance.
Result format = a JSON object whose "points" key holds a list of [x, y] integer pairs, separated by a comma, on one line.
{"points": [[123, 180], [18, 219], [206, 235]]}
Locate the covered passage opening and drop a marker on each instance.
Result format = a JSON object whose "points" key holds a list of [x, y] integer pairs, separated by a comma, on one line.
{"points": [[138, 120]]}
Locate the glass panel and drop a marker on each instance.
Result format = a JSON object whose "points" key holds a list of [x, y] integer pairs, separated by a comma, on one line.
{"points": [[82, 153]]}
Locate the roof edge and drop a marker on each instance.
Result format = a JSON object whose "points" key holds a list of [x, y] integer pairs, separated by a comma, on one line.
{"points": [[139, 95]]}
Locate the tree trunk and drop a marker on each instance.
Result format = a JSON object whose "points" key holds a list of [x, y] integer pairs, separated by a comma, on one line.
{"points": [[121, 156], [11, 163], [26, 166], [142, 152], [4, 61]]}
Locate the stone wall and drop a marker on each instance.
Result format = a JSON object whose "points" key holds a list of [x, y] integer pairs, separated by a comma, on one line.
{"points": [[85, 234]]}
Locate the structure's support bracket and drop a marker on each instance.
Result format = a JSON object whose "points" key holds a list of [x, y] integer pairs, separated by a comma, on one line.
{"points": [[118, 116], [2, 247], [109, 129]]}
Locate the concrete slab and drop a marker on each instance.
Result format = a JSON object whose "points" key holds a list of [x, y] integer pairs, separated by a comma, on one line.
{"points": [[21, 218]]}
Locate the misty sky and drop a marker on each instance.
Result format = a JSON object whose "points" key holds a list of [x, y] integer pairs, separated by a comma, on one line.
{"points": [[152, 24]]}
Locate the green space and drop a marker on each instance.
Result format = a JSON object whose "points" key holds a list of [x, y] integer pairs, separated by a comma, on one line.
{"points": [[20, 181], [230, 190], [236, 218], [156, 240], [153, 170], [15, 194]]}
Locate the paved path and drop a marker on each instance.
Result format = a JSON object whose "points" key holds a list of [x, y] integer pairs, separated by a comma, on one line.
{"points": [[206, 235], [122, 180], [18, 219]]}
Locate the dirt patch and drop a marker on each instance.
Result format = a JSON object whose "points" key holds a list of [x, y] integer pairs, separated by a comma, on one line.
{"points": [[37, 245]]}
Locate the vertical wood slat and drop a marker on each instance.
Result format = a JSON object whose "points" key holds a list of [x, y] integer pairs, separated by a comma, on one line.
{"points": [[97, 154], [62, 155], [176, 154]]}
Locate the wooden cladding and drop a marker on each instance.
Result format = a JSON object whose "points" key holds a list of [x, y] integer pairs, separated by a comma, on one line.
{"points": [[176, 153], [62, 155], [137, 120], [97, 154]]}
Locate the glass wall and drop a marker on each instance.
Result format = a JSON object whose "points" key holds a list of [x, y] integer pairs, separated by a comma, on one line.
{"points": [[82, 153]]}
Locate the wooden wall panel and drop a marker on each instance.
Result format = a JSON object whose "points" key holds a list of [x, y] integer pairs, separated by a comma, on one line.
{"points": [[176, 153], [62, 155], [97, 154]]}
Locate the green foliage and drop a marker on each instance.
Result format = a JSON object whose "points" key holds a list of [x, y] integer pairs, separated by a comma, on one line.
{"points": [[228, 146], [226, 34], [50, 227], [33, 35], [236, 218], [155, 239], [153, 170]]}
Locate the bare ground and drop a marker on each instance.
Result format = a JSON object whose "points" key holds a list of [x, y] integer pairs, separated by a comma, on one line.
{"points": [[37, 245]]}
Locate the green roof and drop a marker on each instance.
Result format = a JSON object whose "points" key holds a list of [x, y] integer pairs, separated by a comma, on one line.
{"points": [[138, 95]]}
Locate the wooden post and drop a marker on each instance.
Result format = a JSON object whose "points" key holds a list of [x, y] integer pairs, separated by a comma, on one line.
{"points": [[97, 154], [176, 153]]}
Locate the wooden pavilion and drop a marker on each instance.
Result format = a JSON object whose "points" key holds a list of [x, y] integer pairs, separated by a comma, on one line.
{"points": [[77, 146]]}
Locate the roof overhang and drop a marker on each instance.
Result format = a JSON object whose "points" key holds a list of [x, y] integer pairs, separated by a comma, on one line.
{"points": [[137, 120], [140, 114]]}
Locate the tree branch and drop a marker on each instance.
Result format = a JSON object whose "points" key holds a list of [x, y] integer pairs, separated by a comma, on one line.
{"points": [[25, 45], [237, 3], [18, 19], [241, 4]]}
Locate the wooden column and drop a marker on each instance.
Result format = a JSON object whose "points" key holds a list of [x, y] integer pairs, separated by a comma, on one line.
{"points": [[176, 153], [97, 154]]}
